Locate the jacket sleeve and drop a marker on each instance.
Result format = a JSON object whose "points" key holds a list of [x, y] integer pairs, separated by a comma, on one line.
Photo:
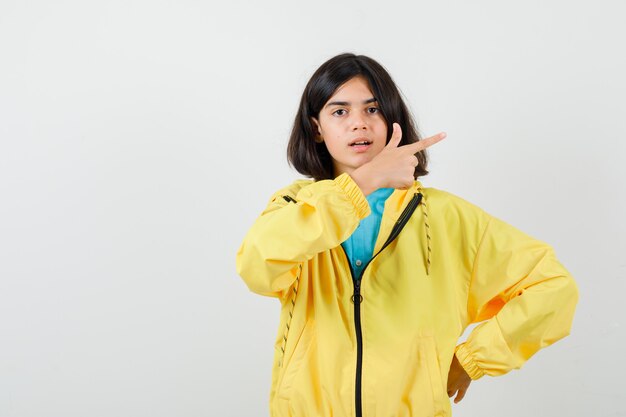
{"points": [[317, 217], [527, 297]]}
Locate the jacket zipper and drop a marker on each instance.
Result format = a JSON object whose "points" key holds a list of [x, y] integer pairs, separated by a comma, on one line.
{"points": [[357, 298]]}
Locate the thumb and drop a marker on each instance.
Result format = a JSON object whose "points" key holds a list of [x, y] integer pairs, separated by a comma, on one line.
{"points": [[396, 136]]}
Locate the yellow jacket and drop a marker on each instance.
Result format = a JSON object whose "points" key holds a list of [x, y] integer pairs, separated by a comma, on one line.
{"points": [[382, 346]]}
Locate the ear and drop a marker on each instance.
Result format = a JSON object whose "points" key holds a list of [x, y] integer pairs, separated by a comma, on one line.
{"points": [[316, 126]]}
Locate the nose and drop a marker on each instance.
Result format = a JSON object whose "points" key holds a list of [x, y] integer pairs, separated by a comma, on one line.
{"points": [[358, 122]]}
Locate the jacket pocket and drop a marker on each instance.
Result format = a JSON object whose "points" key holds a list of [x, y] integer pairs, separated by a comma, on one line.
{"points": [[428, 353], [297, 359]]}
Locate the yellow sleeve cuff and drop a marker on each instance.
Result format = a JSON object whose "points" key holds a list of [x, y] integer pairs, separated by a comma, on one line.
{"points": [[355, 194], [463, 355]]}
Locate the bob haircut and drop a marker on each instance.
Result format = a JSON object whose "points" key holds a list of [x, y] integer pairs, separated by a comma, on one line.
{"points": [[311, 158]]}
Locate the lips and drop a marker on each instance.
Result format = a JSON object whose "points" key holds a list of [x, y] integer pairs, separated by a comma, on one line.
{"points": [[360, 141], [361, 145]]}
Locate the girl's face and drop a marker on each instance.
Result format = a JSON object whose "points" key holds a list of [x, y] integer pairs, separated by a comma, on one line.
{"points": [[351, 115]]}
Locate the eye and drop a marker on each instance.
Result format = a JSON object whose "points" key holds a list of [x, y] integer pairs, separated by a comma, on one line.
{"points": [[338, 111], [374, 108]]}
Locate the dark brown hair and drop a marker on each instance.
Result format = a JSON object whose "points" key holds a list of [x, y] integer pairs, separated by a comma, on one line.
{"points": [[311, 158]]}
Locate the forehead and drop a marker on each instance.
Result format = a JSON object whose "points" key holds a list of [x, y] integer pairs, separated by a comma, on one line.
{"points": [[357, 86]]}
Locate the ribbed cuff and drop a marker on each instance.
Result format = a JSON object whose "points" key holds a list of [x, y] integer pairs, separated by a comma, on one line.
{"points": [[463, 355], [355, 194]]}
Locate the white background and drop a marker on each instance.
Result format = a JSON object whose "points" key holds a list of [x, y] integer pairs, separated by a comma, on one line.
{"points": [[140, 140]]}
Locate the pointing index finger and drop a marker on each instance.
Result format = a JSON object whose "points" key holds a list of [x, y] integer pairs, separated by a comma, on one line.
{"points": [[425, 143]]}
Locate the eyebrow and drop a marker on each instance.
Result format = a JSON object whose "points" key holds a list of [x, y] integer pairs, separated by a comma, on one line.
{"points": [[347, 103]]}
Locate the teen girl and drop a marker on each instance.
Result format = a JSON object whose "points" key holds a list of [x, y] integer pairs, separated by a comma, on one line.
{"points": [[378, 276]]}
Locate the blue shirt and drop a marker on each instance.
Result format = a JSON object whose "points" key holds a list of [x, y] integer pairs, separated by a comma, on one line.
{"points": [[359, 246]]}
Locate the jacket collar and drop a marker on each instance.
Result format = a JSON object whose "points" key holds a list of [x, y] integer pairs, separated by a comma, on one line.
{"points": [[395, 205]]}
